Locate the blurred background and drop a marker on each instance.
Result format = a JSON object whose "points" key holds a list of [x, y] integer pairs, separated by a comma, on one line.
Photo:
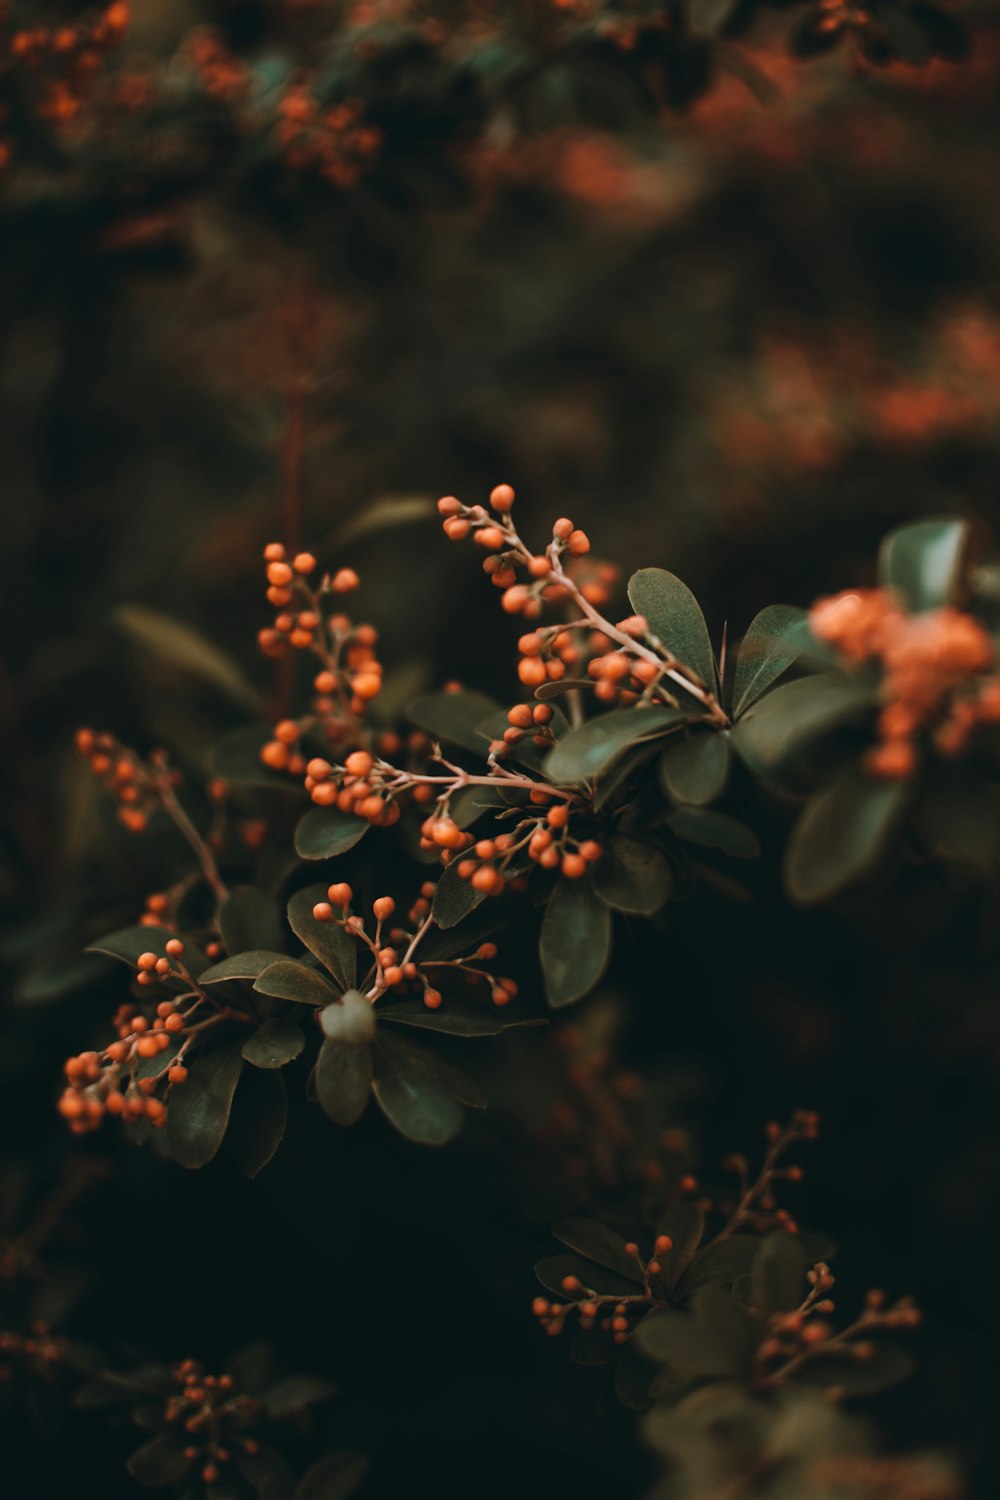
{"points": [[734, 310]]}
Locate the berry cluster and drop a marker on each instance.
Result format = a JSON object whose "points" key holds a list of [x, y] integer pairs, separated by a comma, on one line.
{"points": [[220, 74], [137, 786], [936, 667], [613, 1314], [547, 840], [332, 141], [63, 60], [623, 662], [213, 1417], [124, 1078], [396, 963], [794, 1339]]}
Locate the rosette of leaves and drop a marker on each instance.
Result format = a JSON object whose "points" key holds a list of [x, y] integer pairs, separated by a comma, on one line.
{"points": [[260, 1400], [723, 1333], [281, 1007], [608, 1273]]}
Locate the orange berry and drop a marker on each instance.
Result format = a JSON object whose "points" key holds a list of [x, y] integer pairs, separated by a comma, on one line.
{"points": [[344, 581], [573, 866], [367, 686], [358, 763], [502, 498], [303, 562], [177, 1074], [432, 999], [449, 506], [383, 908], [279, 574], [341, 894]]}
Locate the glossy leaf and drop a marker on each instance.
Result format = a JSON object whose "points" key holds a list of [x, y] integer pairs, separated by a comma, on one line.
{"points": [[714, 830], [779, 1274], [289, 980], [336, 950], [598, 1243], [454, 898], [249, 919], [694, 768], [456, 1017], [682, 1341], [343, 1080], [128, 942], [675, 618], [633, 876], [684, 1222], [418, 1092], [296, 1393], [240, 966], [159, 1462], [783, 723], [575, 943], [454, 718], [709, 17], [842, 835], [841, 1370], [275, 1042], [258, 1120], [586, 752], [333, 1478], [592, 1277], [324, 832], [922, 561], [719, 1263], [775, 638], [198, 1115]]}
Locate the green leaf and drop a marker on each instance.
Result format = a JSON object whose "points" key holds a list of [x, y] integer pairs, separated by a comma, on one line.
{"points": [[694, 768], [265, 1467], [675, 618], [336, 950], [599, 1244], [289, 980], [236, 759], [199, 1108], [454, 717], [456, 1017], [585, 752], [295, 1393], [454, 898], [592, 1277], [275, 1042], [324, 832], [922, 561], [259, 1117], [249, 919], [128, 942], [240, 966], [681, 1341], [159, 1462], [685, 1224], [775, 638], [633, 876], [575, 943], [842, 835], [351, 1018], [714, 830], [709, 17], [719, 1263], [779, 1274], [343, 1080], [333, 1478], [418, 1092], [185, 649], [840, 1369], [782, 724]]}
